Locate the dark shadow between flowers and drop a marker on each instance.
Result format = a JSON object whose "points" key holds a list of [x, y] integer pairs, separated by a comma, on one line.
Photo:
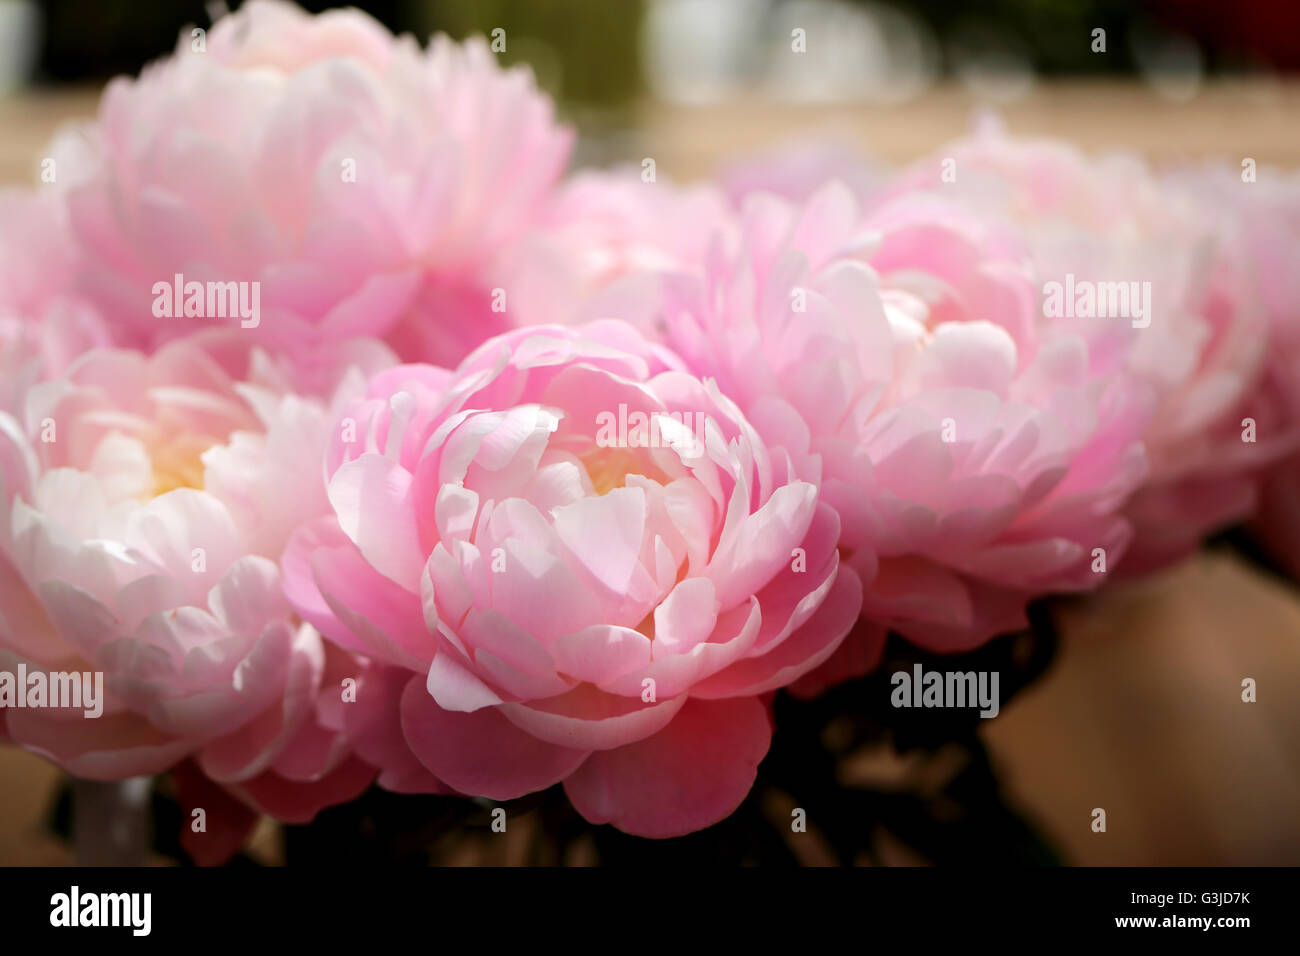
{"points": [[941, 801]]}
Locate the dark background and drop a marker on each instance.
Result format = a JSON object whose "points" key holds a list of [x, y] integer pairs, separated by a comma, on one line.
{"points": [[596, 40]]}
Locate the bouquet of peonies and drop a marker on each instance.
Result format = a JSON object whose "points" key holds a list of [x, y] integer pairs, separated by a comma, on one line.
{"points": [[344, 441]]}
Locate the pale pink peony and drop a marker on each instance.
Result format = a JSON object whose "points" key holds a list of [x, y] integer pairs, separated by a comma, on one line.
{"points": [[1263, 217], [550, 602], [38, 260], [145, 504], [599, 244], [365, 183], [30, 351], [1203, 353], [977, 456], [44, 324]]}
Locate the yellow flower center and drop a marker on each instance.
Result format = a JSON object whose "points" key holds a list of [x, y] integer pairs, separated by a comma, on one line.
{"points": [[608, 468], [178, 463]]}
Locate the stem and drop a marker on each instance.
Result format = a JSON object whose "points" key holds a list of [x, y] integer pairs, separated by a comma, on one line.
{"points": [[111, 821]]}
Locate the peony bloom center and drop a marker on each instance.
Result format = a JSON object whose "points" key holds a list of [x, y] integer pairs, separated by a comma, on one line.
{"points": [[608, 468], [178, 463]]}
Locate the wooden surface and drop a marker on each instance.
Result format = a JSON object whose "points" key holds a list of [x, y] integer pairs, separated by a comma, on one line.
{"points": [[1228, 121], [1142, 713]]}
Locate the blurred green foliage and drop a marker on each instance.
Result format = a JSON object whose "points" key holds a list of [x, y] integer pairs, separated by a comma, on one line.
{"points": [[583, 51]]}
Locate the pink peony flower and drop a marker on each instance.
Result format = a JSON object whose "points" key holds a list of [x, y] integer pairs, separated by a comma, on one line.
{"points": [[1202, 348], [573, 562], [37, 257], [44, 324], [144, 504], [598, 245], [351, 181], [1264, 219], [976, 454]]}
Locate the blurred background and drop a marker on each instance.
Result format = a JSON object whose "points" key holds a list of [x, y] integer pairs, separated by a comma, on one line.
{"points": [[1141, 711], [693, 81]]}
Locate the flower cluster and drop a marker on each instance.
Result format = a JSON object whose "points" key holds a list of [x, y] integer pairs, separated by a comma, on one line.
{"points": [[350, 441]]}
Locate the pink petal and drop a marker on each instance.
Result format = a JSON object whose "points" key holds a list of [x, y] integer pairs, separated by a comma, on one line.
{"points": [[482, 753], [112, 747], [455, 687], [795, 656], [228, 822], [293, 801], [690, 775], [858, 654], [601, 653], [372, 497], [590, 719], [373, 726]]}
